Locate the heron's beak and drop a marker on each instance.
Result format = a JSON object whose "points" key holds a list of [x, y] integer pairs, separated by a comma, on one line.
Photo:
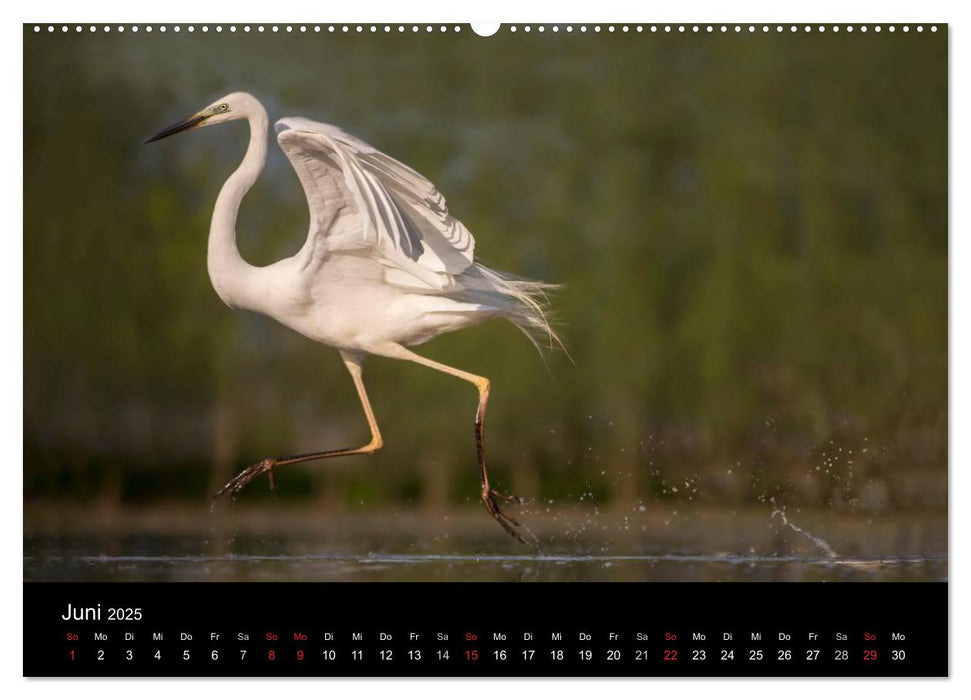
{"points": [[181, 126]]}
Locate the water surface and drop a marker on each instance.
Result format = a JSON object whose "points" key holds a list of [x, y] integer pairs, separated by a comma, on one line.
{"points": [[288, 545]]}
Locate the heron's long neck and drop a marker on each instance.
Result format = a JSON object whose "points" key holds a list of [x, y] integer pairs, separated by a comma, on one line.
{"points": [[232, 277]]}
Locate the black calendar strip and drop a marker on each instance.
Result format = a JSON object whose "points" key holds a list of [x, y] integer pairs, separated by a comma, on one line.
{"points": [[463, 629]]}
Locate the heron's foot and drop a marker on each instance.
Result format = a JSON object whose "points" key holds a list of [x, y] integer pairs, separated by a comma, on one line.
{"points": [[236, 484], [518, 500], [509, 524]]}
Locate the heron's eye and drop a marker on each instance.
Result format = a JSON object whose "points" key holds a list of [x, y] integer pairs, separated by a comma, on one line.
{"points": [[223, 107]]}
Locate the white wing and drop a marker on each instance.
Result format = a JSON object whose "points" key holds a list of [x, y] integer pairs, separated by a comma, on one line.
{"points": [[361, 198]]}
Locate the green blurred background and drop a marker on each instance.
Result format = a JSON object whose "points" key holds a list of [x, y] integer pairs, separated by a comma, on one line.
{"points": [[752, 231]]}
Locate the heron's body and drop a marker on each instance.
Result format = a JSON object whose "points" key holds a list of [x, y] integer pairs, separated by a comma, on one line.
{"points": [[385, 265], [351, 308]]}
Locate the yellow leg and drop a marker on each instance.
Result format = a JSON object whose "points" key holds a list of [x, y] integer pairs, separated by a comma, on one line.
{"points": [[353, 364], [489, 495]]}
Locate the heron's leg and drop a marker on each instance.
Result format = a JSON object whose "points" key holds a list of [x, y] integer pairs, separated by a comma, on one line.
{"points": [[489, 495], [353, 364]]}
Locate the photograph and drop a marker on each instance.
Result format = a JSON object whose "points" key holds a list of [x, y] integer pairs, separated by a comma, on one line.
{"points": [[590, 303]]}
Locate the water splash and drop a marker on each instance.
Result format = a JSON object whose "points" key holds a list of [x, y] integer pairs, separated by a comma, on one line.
{"points": [[526, 508], [818, 541]]}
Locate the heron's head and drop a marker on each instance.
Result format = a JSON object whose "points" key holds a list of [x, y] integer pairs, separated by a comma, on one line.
{"points": [[236, 105]]}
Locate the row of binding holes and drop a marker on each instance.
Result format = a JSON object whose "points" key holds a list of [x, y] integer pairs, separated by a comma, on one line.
{"points": [[414, 28], [289, 28], [711, 28]]}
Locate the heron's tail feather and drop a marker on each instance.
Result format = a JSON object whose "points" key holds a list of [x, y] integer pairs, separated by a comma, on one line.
{"points": [[523, 301]]}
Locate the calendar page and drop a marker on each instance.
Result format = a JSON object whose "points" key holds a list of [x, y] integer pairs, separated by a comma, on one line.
{"points": [[513, 350]]}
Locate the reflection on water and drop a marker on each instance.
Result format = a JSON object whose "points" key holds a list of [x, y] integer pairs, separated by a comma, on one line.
{"points": [[283, 546]]}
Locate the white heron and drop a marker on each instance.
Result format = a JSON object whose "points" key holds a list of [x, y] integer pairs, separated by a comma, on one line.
{"points": [[385, 266]]}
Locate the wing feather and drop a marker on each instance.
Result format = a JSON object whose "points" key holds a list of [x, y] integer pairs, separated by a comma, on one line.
{"points": [[362, 198]]}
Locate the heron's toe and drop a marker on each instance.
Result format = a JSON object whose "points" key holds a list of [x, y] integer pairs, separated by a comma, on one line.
{"points": [[238, 482], [508, 523]]}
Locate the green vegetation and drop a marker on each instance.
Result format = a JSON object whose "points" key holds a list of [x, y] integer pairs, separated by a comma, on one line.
{"points": [[752, 231]]}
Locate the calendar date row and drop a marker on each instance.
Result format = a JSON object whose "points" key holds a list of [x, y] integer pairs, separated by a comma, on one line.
{"points": [[662, 655]]}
